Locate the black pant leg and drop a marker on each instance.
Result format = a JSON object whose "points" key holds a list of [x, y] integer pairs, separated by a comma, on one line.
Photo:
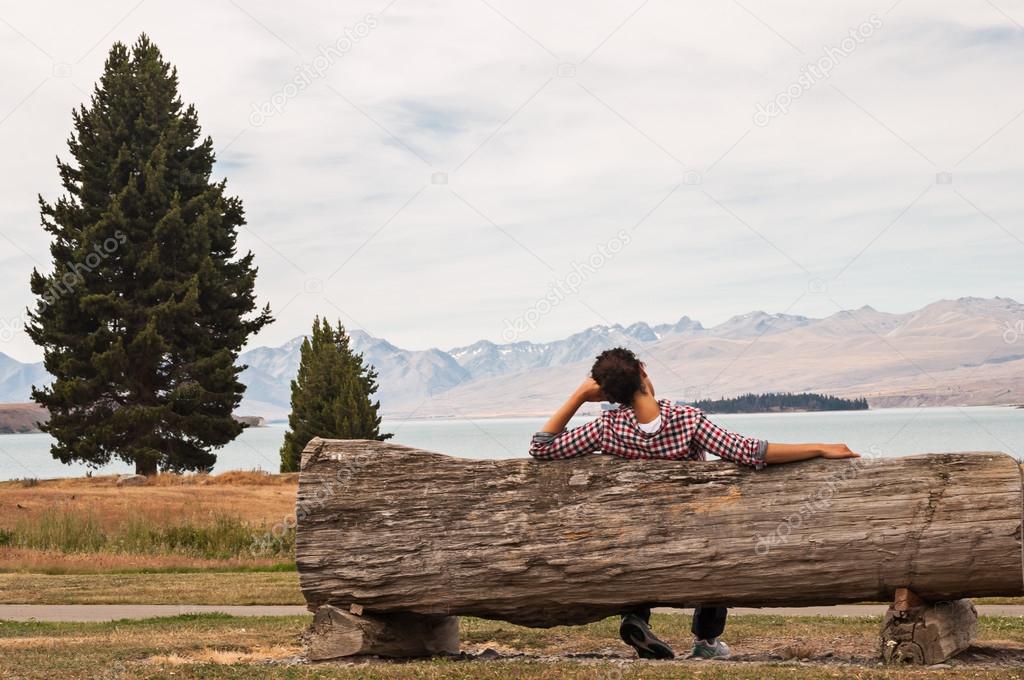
{"points": [[708, 622], [643, 612]]}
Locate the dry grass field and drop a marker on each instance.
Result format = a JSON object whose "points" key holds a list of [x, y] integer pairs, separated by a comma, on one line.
{"points": [[254, 497], [172, 522]]}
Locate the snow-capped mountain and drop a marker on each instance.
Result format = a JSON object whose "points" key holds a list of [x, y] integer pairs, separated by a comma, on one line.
{"points": [[964, 351], [755, 324], [403, 375], [485, 359]]}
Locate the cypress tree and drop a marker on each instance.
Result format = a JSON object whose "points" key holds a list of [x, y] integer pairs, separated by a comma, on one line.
{"points": [[148, 304], [331, 395]]}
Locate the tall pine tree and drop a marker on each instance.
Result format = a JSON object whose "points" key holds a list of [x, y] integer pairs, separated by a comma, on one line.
{"points": [[148, 304], [331, 395]]}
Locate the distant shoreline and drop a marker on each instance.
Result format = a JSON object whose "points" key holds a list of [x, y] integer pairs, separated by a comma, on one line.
{"points": [[15, 418], [25, 418], [594, 413]]}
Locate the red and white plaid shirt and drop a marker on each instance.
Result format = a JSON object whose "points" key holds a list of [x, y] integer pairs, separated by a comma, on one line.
{"points": [[685, 434]]}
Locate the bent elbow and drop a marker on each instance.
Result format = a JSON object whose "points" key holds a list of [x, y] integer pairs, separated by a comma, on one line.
{"points": [[540, 445], [756, 455], [539, 452]]}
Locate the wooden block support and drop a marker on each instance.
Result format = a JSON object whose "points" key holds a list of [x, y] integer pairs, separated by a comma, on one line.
{"points": [[927, 633], [336, 633], [906, 599]]}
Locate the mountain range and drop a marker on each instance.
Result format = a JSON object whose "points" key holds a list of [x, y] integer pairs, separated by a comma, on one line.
{"points": [[952, 352]]}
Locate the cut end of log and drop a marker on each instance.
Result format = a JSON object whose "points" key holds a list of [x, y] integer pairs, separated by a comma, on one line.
{"points": [[312, 451]]}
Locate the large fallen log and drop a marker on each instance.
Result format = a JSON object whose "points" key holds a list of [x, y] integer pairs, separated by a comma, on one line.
{"points": [[386, 529]]}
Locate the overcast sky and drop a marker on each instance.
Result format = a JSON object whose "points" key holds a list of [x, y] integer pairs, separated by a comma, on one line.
{"points": [[450, 168]]}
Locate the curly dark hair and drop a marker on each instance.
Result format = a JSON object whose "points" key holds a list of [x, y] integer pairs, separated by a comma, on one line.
{"points": [[617, 371]]}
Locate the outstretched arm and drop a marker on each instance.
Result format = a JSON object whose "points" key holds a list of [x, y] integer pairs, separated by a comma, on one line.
{"points": [[789, 453], [757, 452]]}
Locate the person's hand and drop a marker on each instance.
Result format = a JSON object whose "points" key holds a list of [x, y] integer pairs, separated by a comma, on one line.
{"points": [[837, 451], [589, 390]]}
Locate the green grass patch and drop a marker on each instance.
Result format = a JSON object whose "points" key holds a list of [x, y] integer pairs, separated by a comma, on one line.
{"points": [[221, 646], [997, 600], [56, 570], [199, 588], [280, 567], [195, 622], [223, 537]]}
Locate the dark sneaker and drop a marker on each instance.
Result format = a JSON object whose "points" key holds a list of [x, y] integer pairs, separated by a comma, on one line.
{"points": [[635, 632], [710, 649]]}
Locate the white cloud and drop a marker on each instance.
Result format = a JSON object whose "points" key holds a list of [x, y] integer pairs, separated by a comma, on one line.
{"points": [[561, 163]]}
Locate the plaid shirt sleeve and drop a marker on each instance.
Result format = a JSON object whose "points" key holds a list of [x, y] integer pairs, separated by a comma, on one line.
{"points": [[715, 440], [578, 441]]}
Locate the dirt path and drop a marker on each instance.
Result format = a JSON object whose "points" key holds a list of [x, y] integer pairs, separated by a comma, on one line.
{"points": [[112, 612]]}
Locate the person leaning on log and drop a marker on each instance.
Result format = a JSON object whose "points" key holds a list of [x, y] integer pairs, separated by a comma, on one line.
{"points": [[645, 427]]}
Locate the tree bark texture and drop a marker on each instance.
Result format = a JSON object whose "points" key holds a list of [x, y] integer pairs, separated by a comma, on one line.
{"points": [[540, 543]]}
